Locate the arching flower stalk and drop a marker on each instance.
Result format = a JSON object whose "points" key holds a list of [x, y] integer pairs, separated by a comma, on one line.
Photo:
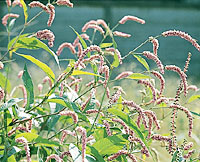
{"points": [[8, 2], [40, 5], [113, 50], [122, 152], [122, 123], [7, 16], [162, 81], [46, 35], [49, 81], [72, 114], [54, 156], [77, 40], [63, 45], [155, 43], [133, 18], [121, 34], [107, 125], [65, 133], [123, 75], [16, 2], [24, 94], [65, 2], [91, 22], [51, 14]]}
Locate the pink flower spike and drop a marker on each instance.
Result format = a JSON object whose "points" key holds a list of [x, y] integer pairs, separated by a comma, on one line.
{"points": [[189, 154], [63, 45], [65, 2], [162, 81], [122, 152], [16, 2], [24, 93], [51, 14], [123, 124], [103, 23], [54, 156], [182, 75], [46, 35], [151, 56], [133, 18], [20, 74], [147, 83], [121, 34], [8, 2], [40, 87], [40, 5], [95, 27], [7, 16], [188, 146], [66, 153], [23, 141], [192, 87], [91, 22], [47, 79], [155, 43], [65, 133], [107, 125], [70, 113], [76, 41], [84, 138], [182, 35], [115, 51], [1, 65], [123, 75]]}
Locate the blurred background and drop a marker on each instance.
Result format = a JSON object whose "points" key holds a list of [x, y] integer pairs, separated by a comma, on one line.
{"points": [[160, 15]]}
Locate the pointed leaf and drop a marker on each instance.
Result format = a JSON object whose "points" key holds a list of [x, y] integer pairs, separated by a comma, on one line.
{"points": [[3, 82], [29, 136], [138, 76], [192, 98], [142, 61], [10, 103], [29, 87], [116, 61], [45, 142], [25, 10], [79, 72], [105, 45], [41, 65]]}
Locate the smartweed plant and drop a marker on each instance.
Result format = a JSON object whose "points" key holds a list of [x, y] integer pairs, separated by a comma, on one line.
{"points": [[73, 120]]}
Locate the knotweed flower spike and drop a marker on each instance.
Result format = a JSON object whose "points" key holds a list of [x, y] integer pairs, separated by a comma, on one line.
{"points": [[189, 116], [107, 125], [65, 133], [192, 87], [123, 124], [20, 74], [16, 2], [40, 87], [91, 22], [47, 79], [153, 116], [162, 99], [12, 131], [122, 152], [133, 18], [115, 51], [1, 65], [151, 56], [46, 35], [51, 14], [84, 136], [155, 43], [63, 45], [76, 41], [103, 23], [61, 89], [92, 111], [115, 96], [76, 81], [95, 27], [24, 94], [189, 154], [182, 75], [106, 71], [8, 2], [148, 84], [121, 34], [187, 62], [54, 156], [40, 5], [7, 16], [65, 2], [123, 75], [183, 35], [66, 153], [70, 113], [162, 81], [188, 146], [23, 141]]}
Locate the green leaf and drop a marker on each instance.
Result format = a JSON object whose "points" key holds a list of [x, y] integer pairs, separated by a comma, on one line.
{"points": [[41, 65], [194, 113], [59, 101], [25, 10], [29, 87], [91, 150], [13, 150], [192, 98], [31, 43], [99, 134], [109, 145], [29, 136], [105, 45], [11, 158], [138, 76], [142, 61], [79, 72], [10, 103], [3, 83], [116, 61], [45, 142]]}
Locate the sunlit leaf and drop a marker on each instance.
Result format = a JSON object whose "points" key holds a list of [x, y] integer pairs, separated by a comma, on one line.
{"points": [[29, 136], [5, 83], [92, 151], [45, 142], [192, 98], [116, 61], [105, 45], [25, 10], [10, 103], [13, 150], [41, 65], [142, 61], [138, 76], [79, 72], [29, 87], [31, 43]]}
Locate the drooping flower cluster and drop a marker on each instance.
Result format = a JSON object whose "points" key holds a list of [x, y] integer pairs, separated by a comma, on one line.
{"points": [[162, 81], [72, 114], [2, 94], [7, 16], [133, 18], [63, 45], [46, 35], [121, 34], [54, 156], [122, 152], [64, 2]]}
